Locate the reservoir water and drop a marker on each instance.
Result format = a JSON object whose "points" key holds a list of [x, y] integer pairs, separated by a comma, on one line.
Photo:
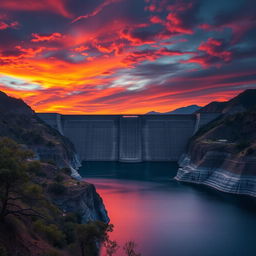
{"points": [[168, 218]]}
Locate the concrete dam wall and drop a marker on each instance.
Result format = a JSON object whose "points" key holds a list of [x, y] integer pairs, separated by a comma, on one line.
{"points": [[128, 138]]}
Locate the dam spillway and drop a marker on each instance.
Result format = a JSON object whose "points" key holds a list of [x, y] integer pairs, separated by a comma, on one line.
{"points": [[128, 138]]}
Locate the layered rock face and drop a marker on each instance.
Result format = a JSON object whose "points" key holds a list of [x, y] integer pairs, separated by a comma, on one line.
{"points": [[79, 196], [222, 154], [220, 171], [83, 199]]}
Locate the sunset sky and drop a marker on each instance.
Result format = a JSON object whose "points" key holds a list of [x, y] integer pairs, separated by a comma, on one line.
{"points": [[126, 56]]}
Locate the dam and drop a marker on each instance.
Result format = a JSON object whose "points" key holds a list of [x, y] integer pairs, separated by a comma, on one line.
{"points": [[128, 138]]}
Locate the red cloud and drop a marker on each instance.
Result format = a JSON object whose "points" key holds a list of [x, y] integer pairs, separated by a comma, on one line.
{"points": [[212, 52], [156, 20], [151, 55], [43, 38], [55, 6], [214, 48], [91, 62], [5, 25], [239, 26], [175, 24], [97, 10]]}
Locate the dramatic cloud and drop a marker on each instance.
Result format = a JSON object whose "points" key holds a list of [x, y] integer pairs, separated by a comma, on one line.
{"points": [[55, 6], [43, 38], [97, 10], [125, 56]]}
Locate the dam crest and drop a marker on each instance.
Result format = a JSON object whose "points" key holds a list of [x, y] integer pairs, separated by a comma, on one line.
{"points": [[128, 138]]}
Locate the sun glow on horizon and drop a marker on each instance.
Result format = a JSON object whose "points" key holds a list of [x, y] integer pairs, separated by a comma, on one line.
{"points": [[104, 58]]}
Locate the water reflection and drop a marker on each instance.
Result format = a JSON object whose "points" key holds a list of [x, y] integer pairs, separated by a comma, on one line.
{"points": [[166, 218]]}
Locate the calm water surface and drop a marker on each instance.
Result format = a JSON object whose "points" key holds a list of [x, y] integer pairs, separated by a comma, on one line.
{"points": [[167, 218]]}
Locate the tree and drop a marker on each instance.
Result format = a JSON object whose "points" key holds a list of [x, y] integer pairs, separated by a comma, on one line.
{"points": [[91, 235], [111, 247], [129, 249], [13, 179]]}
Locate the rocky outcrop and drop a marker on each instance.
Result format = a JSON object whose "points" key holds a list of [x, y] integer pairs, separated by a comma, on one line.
{"points": [[222, 154], [240, 103], [19, 122], [83, 199], [75, 196], [221, 171]]}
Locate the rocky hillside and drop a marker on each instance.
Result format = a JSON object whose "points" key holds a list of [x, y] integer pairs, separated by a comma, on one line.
{"points": [[222, 154], [240, 103], [42, 207], [179, 111], [19, 122]]}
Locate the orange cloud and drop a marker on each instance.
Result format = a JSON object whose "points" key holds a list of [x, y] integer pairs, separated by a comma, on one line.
{"points": [[43, 38], [131, 62]]}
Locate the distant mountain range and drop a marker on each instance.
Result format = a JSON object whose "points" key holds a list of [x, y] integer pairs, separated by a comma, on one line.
{"points": [[179, 111]]}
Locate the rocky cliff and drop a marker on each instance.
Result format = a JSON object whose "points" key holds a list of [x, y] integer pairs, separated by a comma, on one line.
{"points": [[72, 196], [62, 194], [77, 203], [19, 122], [223, 153]]}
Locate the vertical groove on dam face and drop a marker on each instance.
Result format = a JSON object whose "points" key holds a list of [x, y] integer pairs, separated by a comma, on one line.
{"points": [[165, 137], [95, 139], [130, 139]]}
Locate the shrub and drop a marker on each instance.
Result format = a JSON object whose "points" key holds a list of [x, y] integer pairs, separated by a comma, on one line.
{"points": [[34, 167], [73, 217], [33, 190], [57, 189], [69, 231], [51, 232]]}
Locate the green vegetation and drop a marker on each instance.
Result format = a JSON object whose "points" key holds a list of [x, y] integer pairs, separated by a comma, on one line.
{"points": [[51, 232], [91, 234], [14, 178], [25, 205], [25, 200]]}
